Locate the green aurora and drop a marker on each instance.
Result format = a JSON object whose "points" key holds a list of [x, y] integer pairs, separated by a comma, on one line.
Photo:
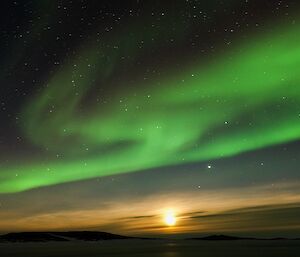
{"points": [[246, 99]]}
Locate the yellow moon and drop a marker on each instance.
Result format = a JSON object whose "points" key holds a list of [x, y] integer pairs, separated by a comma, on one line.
{"points": [[170, 218]]}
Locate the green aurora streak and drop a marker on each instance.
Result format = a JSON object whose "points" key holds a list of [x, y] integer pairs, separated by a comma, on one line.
{"points": [[245, 100]]}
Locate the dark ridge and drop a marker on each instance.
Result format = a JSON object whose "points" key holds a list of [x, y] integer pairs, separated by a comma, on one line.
{"points": [[89, 235], [232, 238], [30, 237], [219, 237], [278, 238], [61, 236]]}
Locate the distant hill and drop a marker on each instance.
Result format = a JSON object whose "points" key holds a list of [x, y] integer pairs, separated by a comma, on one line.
{"points": [[30, 237], [100, 236], [219, 238], [232, 238], [59, 236]]}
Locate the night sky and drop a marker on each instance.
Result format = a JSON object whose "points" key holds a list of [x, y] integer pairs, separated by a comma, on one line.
{"points": [[114, 113]]}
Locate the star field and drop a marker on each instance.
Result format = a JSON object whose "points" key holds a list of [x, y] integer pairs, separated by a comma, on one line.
{"points": [[196, 92]]}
